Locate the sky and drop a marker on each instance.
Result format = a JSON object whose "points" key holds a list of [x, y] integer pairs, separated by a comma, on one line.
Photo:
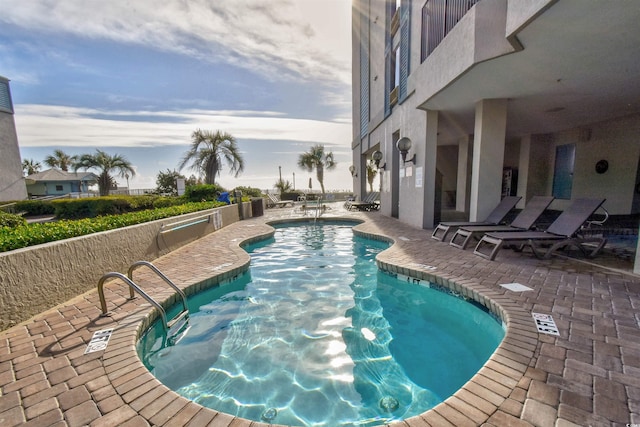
{"points": [[136, 78]]}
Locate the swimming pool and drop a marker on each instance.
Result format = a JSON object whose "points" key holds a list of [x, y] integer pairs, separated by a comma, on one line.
{"points": [[314, 334]]}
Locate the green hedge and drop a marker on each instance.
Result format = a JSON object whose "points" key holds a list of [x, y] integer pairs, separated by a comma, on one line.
{"points": [[110, 205], [35, 207], [202, 192], [10, 220], [37, 233]]}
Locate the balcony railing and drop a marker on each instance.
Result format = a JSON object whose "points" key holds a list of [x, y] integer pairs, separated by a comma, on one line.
{"points": [[395, 22], [438, 18], [393, 96]]}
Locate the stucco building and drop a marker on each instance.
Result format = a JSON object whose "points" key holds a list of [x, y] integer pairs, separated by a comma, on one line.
{"points": [[496, 97], [12, 185]]}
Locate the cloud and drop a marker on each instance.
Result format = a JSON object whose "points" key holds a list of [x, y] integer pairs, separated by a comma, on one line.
{"points": [[55, 126], [280, 39]]}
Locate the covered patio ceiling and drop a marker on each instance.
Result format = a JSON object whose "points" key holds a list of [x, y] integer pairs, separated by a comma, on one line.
{"points": [[580, 64]]}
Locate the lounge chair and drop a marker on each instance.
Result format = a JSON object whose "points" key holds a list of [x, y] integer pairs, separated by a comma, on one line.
{"points": [[367, 204], [494, 218], [273, 200], [561, 233], [523, 222]]}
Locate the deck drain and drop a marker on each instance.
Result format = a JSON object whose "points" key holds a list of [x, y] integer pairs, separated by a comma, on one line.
{"points": [[269, 414], [389, 403], [516, 287]]}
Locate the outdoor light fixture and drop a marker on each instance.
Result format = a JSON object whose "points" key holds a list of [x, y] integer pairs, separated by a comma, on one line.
{"points": [[377, 156], [352, 169], [404, 145]]}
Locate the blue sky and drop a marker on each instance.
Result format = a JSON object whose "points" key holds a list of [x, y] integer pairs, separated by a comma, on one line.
{"points": [[137, 78]]}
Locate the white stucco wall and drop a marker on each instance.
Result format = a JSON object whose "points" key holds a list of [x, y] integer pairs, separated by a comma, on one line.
{"points": [[12, 185], [615, 141], [40, 277]]}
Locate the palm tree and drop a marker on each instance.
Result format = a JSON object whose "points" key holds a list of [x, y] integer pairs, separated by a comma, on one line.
{"points": [[30, 166], [283, 185], [372, 171], [60, 160], [106, 164], [317, 159], [208, 149]]}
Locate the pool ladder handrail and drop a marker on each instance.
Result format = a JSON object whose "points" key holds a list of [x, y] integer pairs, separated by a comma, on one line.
{"points": [[167, 324]]}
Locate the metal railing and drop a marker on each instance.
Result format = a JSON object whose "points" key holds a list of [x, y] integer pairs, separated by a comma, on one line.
{"points": [[185, 223], [180, 319]]}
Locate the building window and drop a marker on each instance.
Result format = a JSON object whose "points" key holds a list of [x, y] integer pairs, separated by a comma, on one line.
{"points": [[563, 171], [425, 30], [403, 65], [58, 187], [396, 60], [5, 97], [364, 74]]}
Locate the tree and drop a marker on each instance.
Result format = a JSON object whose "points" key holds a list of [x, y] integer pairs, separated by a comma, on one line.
{"points": [[30, 166], [317, 159], [283, 186], [107, 165], [60, 160], [372, 171], [207, 152], [166, 182]]}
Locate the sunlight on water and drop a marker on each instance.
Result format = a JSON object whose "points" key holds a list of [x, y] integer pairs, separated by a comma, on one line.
{"points": [[315, 335]]}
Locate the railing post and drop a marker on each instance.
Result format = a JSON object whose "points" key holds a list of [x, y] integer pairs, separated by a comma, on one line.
{"points": [[238, 196]]}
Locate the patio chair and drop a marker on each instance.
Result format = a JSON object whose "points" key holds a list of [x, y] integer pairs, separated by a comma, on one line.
{"points": [[274, 200], [494, 218], [367, 204], [523, 222], [561, 233]]}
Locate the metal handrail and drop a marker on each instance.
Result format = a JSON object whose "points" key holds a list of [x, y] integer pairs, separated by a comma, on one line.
{"points": [[128, 279], [186, 223], [162, 276], [132, 286]]}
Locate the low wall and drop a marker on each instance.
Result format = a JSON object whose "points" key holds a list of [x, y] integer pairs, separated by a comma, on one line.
{"points": [[37, 278]]}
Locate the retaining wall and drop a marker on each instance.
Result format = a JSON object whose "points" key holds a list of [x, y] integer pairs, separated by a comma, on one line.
{"points": [[37, 278]]}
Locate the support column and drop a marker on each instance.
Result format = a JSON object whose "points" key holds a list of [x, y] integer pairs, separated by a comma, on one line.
{"points": [[463, 170], [429, 213], [523, 169], [488, 157]]}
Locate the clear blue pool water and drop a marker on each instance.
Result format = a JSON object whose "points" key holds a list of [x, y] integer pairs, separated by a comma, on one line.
{"points": [[315, 335]]}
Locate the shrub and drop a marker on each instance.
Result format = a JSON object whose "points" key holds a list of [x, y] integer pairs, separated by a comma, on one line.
{"points": [[110, 205], [201, 192], [250, 191], [10, 220], [33, 234], [35, 207]]}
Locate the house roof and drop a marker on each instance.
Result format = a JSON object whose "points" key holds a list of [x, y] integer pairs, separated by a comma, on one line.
{"points": [[58, 175]]}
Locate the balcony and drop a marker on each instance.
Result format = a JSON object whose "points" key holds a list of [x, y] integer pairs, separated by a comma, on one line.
{"points": [[393, 96], [395, 22]]}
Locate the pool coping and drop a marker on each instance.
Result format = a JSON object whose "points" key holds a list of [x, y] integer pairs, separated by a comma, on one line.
{"points": [[473, 404]]}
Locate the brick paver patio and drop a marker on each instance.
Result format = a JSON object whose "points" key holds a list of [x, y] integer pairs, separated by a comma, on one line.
{"points": [[589, 375]]}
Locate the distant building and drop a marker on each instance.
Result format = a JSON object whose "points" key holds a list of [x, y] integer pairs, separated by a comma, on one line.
{"points": [[56, 182], [12, 186], [536, 97]]}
